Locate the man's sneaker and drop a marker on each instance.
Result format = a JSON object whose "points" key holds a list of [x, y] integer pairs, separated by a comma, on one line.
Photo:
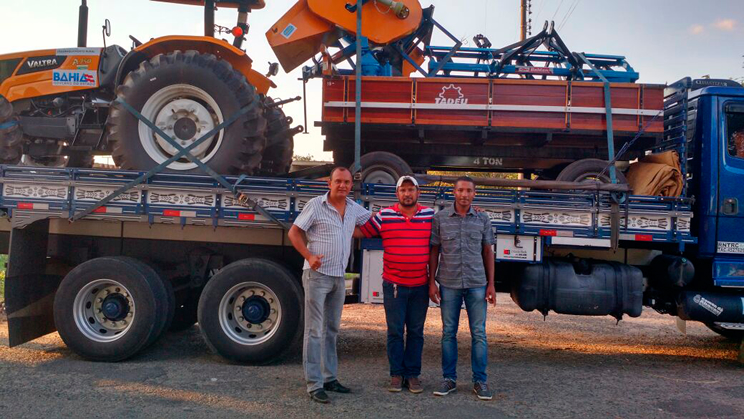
{"points": [[414, 385], [396, 384], [319, 396], [336, 386], [481, 390], [447, 387]]}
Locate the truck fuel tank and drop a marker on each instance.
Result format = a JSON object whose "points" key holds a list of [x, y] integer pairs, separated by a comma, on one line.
{"points": [[597, 289]]}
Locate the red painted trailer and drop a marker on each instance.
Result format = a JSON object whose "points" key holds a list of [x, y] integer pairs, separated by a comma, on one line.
{"points": [[537, 126]]}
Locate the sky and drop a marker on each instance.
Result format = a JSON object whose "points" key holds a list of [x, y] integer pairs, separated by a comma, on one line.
{"points": [[664, 40]]}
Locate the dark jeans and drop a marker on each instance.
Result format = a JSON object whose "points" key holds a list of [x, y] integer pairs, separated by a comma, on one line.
{"points": [[475, 305], [405, 312]]}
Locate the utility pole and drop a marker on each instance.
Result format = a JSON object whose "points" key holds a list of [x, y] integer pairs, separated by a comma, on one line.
{"points": [[525, 27]]}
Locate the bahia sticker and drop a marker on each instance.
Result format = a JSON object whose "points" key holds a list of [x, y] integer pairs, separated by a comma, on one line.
{"points": [[75, 78]]}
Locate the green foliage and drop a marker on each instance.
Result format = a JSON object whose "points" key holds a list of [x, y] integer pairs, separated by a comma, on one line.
{"points": [[308, 157]]}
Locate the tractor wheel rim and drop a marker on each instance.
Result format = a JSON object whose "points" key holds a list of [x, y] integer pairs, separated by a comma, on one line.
{"points": [[104, 310], [250, 313], [171, 109], [380, 174]]}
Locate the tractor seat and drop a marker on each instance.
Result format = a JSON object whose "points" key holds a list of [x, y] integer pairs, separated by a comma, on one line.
{"points": [[253, 4]]}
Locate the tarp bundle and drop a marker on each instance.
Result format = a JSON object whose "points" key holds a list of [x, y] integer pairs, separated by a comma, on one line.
{"points": [[656, 175]]}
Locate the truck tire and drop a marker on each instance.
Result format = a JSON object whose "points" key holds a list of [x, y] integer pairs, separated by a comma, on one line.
{"points": [[735, 335], [11, 136], [133, 302], [252, 311], [383, 167], [277, 157], [588, 169], [187, 94]]}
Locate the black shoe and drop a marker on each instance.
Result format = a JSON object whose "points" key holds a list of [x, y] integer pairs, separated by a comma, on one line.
{"points": [[319, 396], [336, 386]]}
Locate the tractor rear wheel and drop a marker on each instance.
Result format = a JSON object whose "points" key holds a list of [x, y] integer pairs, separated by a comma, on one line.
{"points": [[277, 158], [187, 94]]}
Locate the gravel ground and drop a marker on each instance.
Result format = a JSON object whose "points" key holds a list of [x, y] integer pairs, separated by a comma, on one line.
{"points": [[563, 367]]}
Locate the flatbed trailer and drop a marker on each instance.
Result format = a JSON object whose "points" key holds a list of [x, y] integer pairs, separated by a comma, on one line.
{"points": [[202, 244]]}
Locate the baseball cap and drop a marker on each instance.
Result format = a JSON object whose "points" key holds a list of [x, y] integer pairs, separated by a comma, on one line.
{"points": [[406, 178]]}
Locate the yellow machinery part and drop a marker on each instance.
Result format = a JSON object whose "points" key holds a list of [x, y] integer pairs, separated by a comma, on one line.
{"points": [[223, 50], [39, 84], [310, 24]]}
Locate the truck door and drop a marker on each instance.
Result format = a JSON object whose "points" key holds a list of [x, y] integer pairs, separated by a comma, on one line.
{"points": [[731, 179]]}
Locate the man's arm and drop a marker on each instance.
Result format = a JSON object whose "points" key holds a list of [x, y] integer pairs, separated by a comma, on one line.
{"points": [[433, 264], [489, 263], [298, 239], [369, 229], [435, 242], [488, 259]]}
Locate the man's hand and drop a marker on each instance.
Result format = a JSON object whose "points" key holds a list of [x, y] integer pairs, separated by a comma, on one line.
{"points": [[434, 293], [491, 294], [315, 261]]}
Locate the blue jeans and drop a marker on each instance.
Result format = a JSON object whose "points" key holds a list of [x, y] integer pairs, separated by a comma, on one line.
{"points": [[405, 312], [324, 301], [475, 305]]}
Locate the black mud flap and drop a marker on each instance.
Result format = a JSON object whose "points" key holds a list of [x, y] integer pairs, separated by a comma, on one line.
{"points": [[29, 292]]}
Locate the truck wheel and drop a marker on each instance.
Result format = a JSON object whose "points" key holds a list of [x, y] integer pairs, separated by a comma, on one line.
{"points": [[588, 169], [11, 137], [383, 167], [109, 308], [187, 94], [735, 335], [277, 157], [251, 311]]}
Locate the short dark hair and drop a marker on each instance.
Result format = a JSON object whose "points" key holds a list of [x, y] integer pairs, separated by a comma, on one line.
{"points": [[337, 168], [465, 179]]}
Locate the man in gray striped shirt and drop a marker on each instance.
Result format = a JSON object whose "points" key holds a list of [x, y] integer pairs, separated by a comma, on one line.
{"points": [[461, 241], [327, 223]]}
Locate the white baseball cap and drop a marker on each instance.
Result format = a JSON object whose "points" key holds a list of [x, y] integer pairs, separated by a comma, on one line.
{"points": [[406, 178]]}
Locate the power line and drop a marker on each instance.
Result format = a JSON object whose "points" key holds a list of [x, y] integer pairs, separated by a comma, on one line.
{"points": [[568, 15], [556, 10], [539, 10]]}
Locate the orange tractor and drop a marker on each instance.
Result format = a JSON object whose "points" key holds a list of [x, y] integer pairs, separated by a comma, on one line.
{"points": [[60, 107]]}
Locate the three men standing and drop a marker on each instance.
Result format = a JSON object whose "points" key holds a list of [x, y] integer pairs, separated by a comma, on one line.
{"points": [[456, 244]]}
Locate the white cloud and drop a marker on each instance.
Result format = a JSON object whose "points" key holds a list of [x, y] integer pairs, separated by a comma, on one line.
{"points": [[725, 24], [697, 29]]}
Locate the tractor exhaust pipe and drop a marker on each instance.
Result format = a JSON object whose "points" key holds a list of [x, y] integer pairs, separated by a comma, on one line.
{"points": [[83, 25]]}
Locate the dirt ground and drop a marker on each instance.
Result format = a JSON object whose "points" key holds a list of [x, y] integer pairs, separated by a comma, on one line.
{"points": [[563, 367]]}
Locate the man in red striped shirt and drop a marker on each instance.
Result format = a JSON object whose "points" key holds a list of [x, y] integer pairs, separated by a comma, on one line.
{"points": [[405, 229]]}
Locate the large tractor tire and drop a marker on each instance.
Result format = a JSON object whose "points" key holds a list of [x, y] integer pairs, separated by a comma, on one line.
{"points": [[383, 167], [110, 308], [187, 94], [735, 335], [11, 135], [589, 169], [251, 311], [277, 157]]}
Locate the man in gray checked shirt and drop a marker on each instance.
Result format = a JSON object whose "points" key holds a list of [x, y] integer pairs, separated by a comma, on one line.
{"points": [[461, 241], [328, 222]]}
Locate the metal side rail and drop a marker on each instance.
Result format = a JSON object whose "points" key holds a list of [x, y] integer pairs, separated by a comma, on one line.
{"points": [[29, 194], [563, 216]]}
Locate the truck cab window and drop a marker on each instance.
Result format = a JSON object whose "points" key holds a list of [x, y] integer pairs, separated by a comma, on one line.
{"points": [[735, 130]]}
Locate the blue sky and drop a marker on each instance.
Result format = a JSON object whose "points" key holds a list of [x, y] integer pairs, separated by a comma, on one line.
{"points": [[664, 40]]}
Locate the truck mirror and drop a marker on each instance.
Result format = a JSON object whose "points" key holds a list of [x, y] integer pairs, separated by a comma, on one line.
{"points": [[107, 27]]}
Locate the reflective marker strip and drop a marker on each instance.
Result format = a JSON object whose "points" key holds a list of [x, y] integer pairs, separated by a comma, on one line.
{"points": [[548, 233], [32, 206], [175, 213], [644, 237], [107, 210], [248, 217]]}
